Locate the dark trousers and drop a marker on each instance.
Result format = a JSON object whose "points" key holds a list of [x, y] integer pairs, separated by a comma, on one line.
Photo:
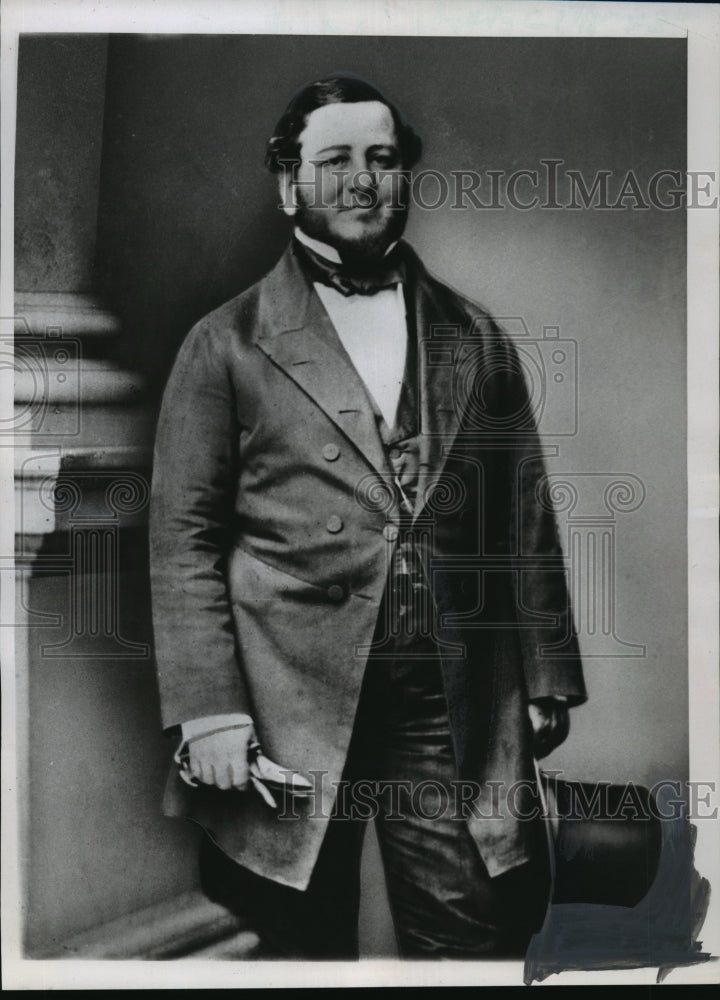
{"points": [[400, 768]]}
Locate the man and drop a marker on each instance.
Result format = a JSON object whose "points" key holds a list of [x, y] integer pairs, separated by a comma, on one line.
{"points": [[353, 564]]}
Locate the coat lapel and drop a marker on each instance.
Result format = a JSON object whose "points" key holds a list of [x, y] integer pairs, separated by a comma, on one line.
{"points": [[296, 333], [439, 415]]}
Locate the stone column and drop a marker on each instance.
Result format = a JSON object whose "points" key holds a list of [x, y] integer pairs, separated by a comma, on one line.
{"points": [[91, 755]]}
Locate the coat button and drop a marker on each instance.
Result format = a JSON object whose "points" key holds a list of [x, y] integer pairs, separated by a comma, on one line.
{"points": [[334, 524], [390, 532], [336, 592], [331, 452]]}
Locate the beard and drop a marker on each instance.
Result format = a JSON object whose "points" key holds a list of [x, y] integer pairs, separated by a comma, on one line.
{"points": [[371, 236]]}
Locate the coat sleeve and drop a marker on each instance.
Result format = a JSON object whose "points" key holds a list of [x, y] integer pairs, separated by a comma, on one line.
{"points": [[550, 650], [195, 474]]}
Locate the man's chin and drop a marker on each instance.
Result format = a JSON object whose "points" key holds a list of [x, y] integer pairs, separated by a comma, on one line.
{"points": [[363, 243], [357, 235]]}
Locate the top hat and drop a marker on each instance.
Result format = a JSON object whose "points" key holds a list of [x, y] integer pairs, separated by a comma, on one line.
{"points": [[606, 840]]}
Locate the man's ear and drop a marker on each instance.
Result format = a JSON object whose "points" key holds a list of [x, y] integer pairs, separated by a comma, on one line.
{"points": [[288, 200]]}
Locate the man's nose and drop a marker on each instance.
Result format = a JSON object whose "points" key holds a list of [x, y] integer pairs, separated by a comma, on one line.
{"points": [[361, 185], [361, 176]]}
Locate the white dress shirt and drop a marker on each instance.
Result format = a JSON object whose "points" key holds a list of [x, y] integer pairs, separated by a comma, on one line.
{"points": [[371, 328]]}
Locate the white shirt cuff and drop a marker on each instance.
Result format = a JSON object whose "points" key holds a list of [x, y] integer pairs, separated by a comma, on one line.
{"points": [[209, 723]]}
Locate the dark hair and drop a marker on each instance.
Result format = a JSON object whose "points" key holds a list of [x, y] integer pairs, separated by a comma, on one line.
{"points": [[283, 148]]}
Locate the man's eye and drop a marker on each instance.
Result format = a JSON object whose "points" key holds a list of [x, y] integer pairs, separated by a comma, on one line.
{"points": [[333, 161], [384, 161]]}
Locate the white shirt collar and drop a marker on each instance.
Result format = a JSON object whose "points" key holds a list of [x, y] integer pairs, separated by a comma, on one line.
{"points": [[324, 249]]}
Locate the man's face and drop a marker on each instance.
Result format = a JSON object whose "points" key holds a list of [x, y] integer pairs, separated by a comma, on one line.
{"points": [[349, 191]]}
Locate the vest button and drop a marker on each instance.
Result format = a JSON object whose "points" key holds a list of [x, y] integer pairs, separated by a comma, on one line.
{"points": [[390, 532], [336, 592], [334, 524], [331, 452]]}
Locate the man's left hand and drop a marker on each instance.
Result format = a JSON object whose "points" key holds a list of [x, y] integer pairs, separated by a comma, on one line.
{"points": [[551, 723]]}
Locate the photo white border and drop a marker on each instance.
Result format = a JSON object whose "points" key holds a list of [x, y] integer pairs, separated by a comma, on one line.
{"points": [[700, 23]]}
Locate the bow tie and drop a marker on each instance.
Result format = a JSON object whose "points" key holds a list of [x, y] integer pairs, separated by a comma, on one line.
{"points": [[362, 279]]}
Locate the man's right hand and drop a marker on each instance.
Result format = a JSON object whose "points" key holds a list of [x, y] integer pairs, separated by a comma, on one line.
{"points": [[221, 759]]}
